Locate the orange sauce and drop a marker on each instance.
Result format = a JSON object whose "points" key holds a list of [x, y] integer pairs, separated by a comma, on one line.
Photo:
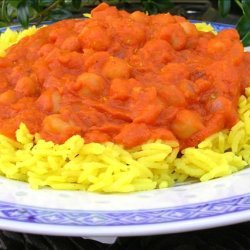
{"points": [[122, 77]]}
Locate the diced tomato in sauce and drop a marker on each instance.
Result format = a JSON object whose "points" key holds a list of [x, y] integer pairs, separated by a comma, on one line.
{"points": [[126, 78]]}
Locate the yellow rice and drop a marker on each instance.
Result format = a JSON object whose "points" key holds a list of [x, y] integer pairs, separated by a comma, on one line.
{"points": [[10, 37], [108, 167]]}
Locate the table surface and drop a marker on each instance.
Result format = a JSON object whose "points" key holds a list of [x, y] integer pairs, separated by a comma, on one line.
{"points": [[235, 237]]}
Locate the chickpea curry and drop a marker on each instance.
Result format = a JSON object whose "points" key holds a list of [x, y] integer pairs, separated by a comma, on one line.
{"points": [[125, 78]]}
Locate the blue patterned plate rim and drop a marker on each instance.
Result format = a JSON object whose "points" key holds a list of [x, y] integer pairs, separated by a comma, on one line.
{"points": [[23, 218], [30, 214]]}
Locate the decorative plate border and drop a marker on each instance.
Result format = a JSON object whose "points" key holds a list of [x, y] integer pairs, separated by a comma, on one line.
{"points": [[22, 213], [217, 26]]}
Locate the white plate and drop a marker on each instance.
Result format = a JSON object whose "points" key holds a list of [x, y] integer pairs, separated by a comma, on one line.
{"points": [[183, 208]]}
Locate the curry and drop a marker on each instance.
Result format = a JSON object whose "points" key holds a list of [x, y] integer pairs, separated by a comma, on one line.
{"points": [[125, 78]]}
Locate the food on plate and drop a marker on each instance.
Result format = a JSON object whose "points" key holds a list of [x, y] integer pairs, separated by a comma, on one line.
{"points": [[123, 102]]}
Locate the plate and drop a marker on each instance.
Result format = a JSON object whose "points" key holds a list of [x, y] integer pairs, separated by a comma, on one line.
{"points": [[182, 208]]}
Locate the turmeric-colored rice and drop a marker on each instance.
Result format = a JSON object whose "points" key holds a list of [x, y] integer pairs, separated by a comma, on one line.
{"points": [[108, 167]]}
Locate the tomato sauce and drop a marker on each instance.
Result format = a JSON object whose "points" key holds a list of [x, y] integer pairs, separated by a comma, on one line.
{"points": [[126, 78]]}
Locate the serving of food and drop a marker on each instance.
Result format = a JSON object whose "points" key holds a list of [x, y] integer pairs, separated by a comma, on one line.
{"points": [[123, 102]]}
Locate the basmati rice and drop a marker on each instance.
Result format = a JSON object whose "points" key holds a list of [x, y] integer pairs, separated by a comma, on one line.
{"points": [[110, 168]]}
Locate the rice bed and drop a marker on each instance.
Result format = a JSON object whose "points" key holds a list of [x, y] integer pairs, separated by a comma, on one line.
{"points": [[110, 168]]}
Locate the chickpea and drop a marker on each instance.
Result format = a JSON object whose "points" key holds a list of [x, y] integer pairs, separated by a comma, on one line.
{"points": [[224, 106], [95, 37], [57, 126], [49, 101], [175, 35], [123, 14], [140, 17], [129, 32], [186, 124], [237, 52], [172, 95], [45, 49], [133, 134], [95, 61], [104, 11], [188, 89], [178, 41], [99, 8], [134, 35], [71, 43], [116, 68], [72, 60], [231, 34], [220, 105], [27, 86], [56, 34], [161, 20], [175, 72], [189, 28], [157, 51], [121, 88], [89, 84], [163, 133], [202, 85], [8, 97], [218, 46]]}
